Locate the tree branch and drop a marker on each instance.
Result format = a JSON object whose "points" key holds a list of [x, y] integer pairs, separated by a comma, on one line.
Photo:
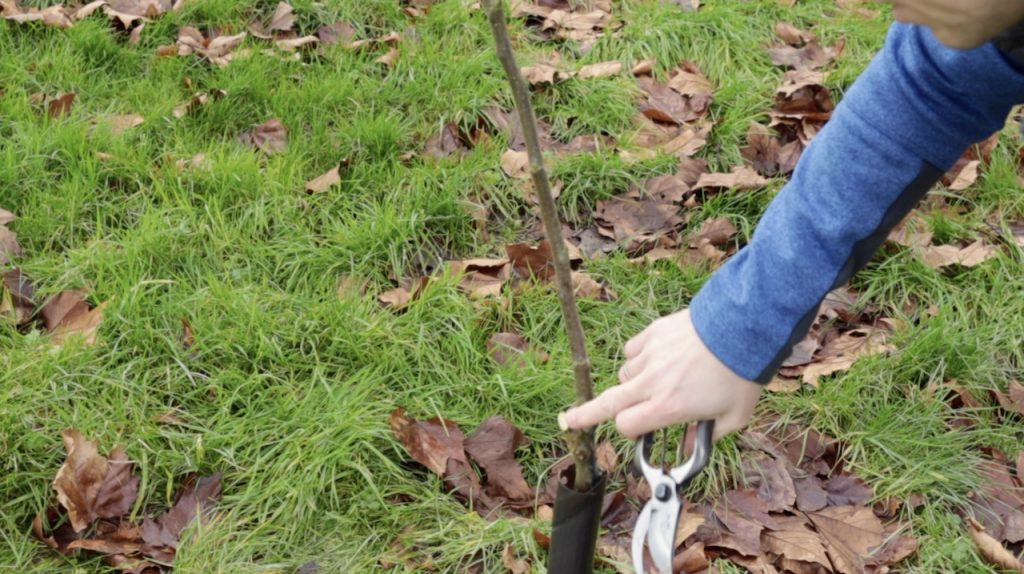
{"points": [[581, 443]]}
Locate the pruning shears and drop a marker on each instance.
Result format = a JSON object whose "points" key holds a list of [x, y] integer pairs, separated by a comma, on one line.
{"points": [[659, 520]]}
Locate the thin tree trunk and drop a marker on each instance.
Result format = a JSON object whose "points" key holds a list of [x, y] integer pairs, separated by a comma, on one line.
{"points": [[581, 443]]}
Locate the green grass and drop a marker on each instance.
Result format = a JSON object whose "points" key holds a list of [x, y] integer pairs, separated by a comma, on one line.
{"points": [[289, 387]]}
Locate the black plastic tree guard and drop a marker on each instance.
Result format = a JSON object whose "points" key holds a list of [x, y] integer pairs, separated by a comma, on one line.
{"points": [[574, 528]]}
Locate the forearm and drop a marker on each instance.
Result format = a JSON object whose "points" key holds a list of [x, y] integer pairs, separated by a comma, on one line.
{"points": [[903, 123]]}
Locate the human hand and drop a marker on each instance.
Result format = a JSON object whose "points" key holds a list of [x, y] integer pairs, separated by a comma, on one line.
{"points": [[670, 377], [961, 24]]}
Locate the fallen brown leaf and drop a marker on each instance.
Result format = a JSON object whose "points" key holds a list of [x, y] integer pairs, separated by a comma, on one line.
{"points": [[61, 105], [270, 137], [9, 247], [492, 446], [194, 501], [219, 50], [991, 549], [431, 442], [91, 486], [508, 348], [530, 261], [512, 563], [741, 178], [325, 181], [940, 256]]}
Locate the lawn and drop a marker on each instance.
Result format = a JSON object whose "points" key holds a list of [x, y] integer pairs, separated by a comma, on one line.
{"points": [[287, 381]]}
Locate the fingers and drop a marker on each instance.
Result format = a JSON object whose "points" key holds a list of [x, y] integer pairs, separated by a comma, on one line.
{"points": [[634, 346], [604, 407], [646, 417], [631, 369]]}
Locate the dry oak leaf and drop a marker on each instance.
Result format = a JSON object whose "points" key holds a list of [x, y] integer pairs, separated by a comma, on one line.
{"points": [[91, 486], [493, 446], [269, 137]]}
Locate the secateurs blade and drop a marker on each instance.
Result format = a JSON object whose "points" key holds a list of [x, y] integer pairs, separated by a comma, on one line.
{"points": [[659, 518]]}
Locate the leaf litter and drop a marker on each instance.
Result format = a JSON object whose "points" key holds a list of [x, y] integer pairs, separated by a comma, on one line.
{"points": [[796, 507], [95, 496]]}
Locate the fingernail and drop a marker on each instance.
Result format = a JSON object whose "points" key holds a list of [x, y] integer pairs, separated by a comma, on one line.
{"points": [[563, 422]]}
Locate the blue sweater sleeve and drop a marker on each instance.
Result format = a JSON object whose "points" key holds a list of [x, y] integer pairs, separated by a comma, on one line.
{"points": [[904, 122]]}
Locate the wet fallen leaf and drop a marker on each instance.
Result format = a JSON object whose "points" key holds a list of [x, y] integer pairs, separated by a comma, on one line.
{"points": [[665, 105], [530, 261], [194, 500], [431, 442], [270, 137], [800, 50], [492, 446], [197, 101], [717, 231]]}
